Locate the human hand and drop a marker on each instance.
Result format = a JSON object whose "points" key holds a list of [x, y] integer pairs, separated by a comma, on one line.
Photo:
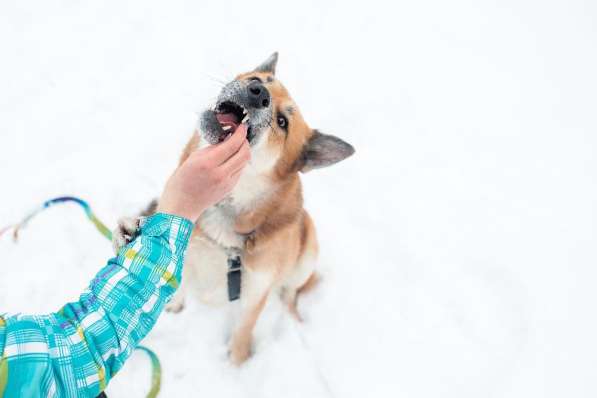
{"points": [[206, 177]]}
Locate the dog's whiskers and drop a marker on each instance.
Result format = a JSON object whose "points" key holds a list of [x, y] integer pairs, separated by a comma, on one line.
{"points": [[221, 82]]}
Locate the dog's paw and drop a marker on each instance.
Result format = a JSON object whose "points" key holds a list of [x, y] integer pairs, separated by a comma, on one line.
{"points": [[239, 351], [125, 232], [175, 306]]}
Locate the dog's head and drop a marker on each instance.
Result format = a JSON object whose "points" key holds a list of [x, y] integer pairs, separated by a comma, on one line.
{"points": [[280, 138]]}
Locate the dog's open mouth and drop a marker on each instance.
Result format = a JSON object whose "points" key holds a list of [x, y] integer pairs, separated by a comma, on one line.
{"points": [[230, 115]]}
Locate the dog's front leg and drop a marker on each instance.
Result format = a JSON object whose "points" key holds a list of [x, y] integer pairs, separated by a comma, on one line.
{"points": [[256, 286], [177, 302]]}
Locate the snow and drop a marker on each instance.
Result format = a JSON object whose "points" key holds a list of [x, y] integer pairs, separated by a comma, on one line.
{"points": [[458, 244]]}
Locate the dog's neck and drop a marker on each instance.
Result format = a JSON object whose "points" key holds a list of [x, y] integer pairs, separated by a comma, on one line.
{"points": [[261, 195], [253, 188], [219, 222], [258, 202]]}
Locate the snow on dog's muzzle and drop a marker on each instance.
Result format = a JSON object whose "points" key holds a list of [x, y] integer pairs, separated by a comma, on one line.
{"points": [[239, 102]]}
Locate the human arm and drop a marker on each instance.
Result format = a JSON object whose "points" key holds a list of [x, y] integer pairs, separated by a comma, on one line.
{"points": [[77, 350]]}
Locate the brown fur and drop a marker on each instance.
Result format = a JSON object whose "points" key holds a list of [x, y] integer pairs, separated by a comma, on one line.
{"points": [[280, 235], [283, 210]]}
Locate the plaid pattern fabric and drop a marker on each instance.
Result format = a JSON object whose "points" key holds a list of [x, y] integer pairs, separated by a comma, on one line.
{"points": [[77, 350]]}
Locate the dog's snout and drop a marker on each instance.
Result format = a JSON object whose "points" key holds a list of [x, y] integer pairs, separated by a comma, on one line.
{"points": [[258, 95]]}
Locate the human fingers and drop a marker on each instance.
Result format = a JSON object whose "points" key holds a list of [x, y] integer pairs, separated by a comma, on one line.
{"points": [[221, 152], [237, 161]]}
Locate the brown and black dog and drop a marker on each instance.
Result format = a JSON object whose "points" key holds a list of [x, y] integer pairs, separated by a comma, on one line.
{"points": [[263, 219]]}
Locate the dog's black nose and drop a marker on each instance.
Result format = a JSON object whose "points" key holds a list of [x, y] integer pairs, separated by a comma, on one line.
{"points": [[258, 95]]}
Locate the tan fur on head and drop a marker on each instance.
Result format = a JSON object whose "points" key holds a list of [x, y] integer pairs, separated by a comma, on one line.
{"points": [[289, 144]]}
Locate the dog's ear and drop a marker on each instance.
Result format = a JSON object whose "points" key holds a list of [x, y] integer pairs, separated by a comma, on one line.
{"points": [[323, 150], [269, 65]]}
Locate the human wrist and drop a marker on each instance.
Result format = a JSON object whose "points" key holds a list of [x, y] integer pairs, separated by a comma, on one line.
{"points": [[174, 228], [191, 214]]}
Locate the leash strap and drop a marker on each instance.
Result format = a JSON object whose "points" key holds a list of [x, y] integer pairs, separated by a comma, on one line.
{"points": [[234, 277], [100, 226], [156, 372], [156, 367]]}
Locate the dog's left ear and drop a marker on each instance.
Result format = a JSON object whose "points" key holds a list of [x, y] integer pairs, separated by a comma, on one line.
{"points": [[269, 65], [323, 150]]}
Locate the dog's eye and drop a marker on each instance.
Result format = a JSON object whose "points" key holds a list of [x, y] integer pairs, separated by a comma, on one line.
{"points": [[255, 78], [282, 122]]}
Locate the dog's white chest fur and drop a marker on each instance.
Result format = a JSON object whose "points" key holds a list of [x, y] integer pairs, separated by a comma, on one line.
{"points": [[207, 256], [218, 222]]}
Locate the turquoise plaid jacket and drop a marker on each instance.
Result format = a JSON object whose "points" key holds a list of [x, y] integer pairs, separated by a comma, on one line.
{"points": [[76, 351]]}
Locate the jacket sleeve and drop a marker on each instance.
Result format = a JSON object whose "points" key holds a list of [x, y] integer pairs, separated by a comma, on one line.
{"points": [[77, 350]]}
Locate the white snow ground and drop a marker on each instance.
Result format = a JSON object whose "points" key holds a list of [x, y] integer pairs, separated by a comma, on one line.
{"points": [[458, 245]]}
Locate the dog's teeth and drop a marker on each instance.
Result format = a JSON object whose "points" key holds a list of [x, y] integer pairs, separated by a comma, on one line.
{"points": [[226, 128]]}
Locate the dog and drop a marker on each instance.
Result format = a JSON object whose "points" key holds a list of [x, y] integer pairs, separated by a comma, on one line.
{"points": [[262, 222]]}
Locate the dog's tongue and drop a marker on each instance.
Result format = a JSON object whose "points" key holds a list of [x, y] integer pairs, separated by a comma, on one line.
{"points": [[227, 119]]}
